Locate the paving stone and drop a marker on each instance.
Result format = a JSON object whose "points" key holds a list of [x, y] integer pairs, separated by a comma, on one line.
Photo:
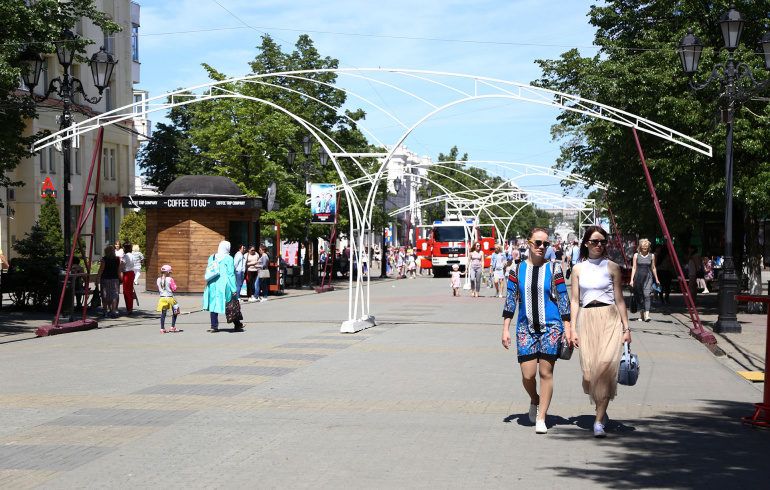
{"points": [[246, 370], [312, 345], [192, 389], [49, 458], [107, 416], [287, 355]]}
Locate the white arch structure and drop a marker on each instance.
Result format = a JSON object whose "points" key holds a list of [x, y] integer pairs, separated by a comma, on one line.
{"points": [[444, 90]]}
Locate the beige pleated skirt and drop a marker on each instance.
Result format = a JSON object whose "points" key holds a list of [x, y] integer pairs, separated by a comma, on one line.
{"points": [[601, 338]]}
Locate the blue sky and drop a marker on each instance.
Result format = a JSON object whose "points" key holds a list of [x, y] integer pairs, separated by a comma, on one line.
{"points": [[495, 39]]}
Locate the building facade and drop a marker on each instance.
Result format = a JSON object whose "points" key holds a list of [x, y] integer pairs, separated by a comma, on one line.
{"points": [[121, 141], [412, 170]]}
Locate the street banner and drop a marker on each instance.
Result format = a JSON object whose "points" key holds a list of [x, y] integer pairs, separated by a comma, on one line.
{"points": [[389, 233], [323, 203], [290, 251]]}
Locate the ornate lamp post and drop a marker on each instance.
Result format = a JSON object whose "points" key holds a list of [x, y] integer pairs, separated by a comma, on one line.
{"points": [[729, 76], [308, 169], [397, 187], [66, 87]]}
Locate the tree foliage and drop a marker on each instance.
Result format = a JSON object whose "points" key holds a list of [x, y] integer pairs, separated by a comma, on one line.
{"points": [[50, 221], [637, 70], [133, 229], [34, 25], [248, 139], [35, 269]]}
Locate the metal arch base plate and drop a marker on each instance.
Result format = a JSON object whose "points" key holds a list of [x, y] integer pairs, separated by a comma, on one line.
{"points": [[353, 326]]}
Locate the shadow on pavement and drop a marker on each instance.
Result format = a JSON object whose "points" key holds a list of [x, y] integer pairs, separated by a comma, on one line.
{"points": [[677, 450]]}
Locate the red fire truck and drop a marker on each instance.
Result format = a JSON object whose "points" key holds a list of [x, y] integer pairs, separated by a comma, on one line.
{"points": [[447, 243]]}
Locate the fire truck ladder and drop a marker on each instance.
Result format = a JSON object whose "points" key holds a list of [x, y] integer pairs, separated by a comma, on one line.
{"points": [[86, 211]]}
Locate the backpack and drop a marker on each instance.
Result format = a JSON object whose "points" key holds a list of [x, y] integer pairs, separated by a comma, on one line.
{"points": [[212, 270]]}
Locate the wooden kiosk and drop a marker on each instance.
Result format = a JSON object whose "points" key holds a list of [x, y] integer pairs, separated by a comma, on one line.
{"points": [[186, 223]]}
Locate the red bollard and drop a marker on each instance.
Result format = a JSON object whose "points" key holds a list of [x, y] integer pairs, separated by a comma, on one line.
{"points": [[764, 407]]}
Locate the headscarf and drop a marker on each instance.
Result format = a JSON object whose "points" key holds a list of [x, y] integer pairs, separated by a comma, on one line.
{"points": [[224, 249]]}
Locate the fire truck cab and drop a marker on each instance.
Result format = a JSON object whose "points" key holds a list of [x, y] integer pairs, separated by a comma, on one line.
{"points": [[447, 243]]}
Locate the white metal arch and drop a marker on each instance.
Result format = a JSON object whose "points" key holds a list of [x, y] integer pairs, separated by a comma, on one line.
{"points": [[482, 88]]}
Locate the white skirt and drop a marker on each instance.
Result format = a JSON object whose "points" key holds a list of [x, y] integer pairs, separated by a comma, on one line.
{"points": [[499, 274]]}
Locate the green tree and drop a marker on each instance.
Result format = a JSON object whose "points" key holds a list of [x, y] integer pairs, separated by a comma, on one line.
{"points": [[50, 221], [133, 229], [32, 25], [248, 141], [36, 268], [637, 70]]}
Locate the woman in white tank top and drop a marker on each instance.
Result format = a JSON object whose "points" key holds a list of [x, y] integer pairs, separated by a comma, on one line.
{"points": [[596, 290]]}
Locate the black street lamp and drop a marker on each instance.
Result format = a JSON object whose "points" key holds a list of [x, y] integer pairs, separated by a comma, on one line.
{"points": [[67, 87], [740, 85], [308, 168]]}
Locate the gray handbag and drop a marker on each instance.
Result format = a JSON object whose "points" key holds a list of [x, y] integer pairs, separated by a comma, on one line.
{"points": [[629, 367]]}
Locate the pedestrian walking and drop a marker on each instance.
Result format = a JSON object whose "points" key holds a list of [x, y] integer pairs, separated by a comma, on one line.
{"points": [[455, 280], [497, 266], [166, 303], [221, 289], [263, 264], [476, 266], [643, 276], [127, 267], [411, 266], [597, 290], [252, 274], [239, 264], [136, 252], [108, 278], [537, 288]]}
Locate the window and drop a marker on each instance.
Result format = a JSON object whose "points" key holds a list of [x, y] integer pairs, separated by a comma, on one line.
{"points": [[138, 98], [44, 78], [110, 232], [112, 164], [74, 217], [51, 161], [104, 164], [76, 160], [108, 105], [11, 194], [42, 161], [135, 42], [108, 44]]}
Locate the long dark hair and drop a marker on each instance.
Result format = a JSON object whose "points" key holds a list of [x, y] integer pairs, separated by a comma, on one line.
{"points": [[587, 236]]}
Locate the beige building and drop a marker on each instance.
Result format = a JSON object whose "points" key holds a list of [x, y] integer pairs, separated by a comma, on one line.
{"points": [[120, 140]]}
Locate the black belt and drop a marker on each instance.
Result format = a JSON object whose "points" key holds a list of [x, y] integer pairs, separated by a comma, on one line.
{"points": [[596, 305]]}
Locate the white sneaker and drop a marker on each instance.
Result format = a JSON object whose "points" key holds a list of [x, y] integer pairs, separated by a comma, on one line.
{"points": [[533, 411], [540, 427], [599, 430], [252, 300], [263, 299]]}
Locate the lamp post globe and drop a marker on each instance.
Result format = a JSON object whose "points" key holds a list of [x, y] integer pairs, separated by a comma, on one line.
{"points": [[731, 24]]}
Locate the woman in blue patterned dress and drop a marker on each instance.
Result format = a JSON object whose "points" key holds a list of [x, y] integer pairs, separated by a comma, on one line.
{"points": [[537, 288]]}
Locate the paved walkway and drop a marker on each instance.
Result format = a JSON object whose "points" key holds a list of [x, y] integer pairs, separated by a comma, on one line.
{"points": [[427, 399]]}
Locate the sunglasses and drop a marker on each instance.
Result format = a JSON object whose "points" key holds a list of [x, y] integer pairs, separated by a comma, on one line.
{"points": [[538, 243], [597, 242]]}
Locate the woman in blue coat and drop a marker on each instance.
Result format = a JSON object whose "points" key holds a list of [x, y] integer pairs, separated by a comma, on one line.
{"points": [[222, 289]]}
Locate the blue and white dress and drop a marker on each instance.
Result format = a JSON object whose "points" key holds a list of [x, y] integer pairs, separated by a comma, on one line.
{"points": [[541, 296]]}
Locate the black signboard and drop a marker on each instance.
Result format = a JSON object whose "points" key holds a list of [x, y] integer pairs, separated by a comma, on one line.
{"points": [[196, 202]]}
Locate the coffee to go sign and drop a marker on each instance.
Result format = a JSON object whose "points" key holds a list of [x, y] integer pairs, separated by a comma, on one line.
{"points": [[165, 202]]}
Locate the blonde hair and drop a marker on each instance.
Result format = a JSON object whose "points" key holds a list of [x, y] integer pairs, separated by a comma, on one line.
{"points": [[642, 243], [498, 249], [135, 248]]}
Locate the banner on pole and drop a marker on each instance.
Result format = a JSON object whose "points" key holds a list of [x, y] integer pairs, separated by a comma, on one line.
{"points": [[389, 233], [323, 203]]}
